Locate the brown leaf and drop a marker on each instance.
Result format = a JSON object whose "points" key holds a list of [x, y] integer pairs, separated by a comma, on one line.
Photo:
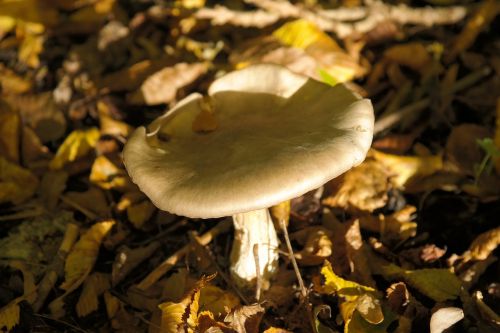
{"points": [[396, 227], [484, 244], [16, 183], [95, 285], [245, 319], [10, 133], [317, 245], [163, 85], [363, 188], [413, 55], [127, 259], [221, 15]]}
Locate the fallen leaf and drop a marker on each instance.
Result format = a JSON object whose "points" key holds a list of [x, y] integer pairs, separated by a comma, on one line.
{"points": [[83, 255], [127, 259], [40, 112], [483, 245], [397, 227], [77, 144], [140, 213], [345, 288], [10, 133], [317, 245], [245, 319], [407, 169], [221, 15], [11, 83], [107, 175], [94, 286], [413, 55], [363, 188], [9, 315], [162, 86], [30, 49], [438, 284], [217, 301], [93, 200], [16, 183], [444, 318]]}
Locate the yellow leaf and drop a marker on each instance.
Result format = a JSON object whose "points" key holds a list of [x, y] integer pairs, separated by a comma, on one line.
{"points": [[413, 55], [76, 145], [216, 300], [190, 4], [31, 11], [171, 318], [408, 168], [484, 244], [185, 312], [344, 288], [331, 59], [141, 212], [95, 285], [436, 283], [11, 82], [9, 316], [107, 175], [113, 304], [30, 49], [82, 257], [16, 183], [357, 324]]}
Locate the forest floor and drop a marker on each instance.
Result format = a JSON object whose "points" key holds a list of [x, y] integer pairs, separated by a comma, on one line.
{"points": [[405, 242]]}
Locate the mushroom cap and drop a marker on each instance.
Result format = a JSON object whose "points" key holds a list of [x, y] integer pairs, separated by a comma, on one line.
{"points": [[278, 136]]}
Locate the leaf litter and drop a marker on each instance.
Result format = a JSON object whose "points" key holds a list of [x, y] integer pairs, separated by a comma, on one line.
{"points": [[405, 242]]}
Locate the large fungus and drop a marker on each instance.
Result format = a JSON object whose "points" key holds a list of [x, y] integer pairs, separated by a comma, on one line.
{"points": [[263, 135]]}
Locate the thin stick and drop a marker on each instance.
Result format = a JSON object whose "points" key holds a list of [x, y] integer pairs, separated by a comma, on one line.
{"points": [[170, 262], [78, 207], [390, 120], [303, 290], [258, 285]]}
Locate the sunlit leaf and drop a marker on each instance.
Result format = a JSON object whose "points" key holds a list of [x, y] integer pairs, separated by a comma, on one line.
{"points": [[217, 301], [82, 257], [108, 175], [345, 288], [76, 145], [444, 318]]}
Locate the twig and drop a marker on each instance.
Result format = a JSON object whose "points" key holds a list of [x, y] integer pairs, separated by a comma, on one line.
{"points": [[170, 262], [303, 290], [76, 328], [392, 119], [258, 285], [78, 207], [55, 270]]}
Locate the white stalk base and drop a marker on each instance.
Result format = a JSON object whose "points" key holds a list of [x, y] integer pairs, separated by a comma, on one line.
{"points": [[255, 227]]}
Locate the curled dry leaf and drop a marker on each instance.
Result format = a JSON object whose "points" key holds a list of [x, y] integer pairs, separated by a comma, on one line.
{"points": [[77, 144], [162, 86], [245, 319], [82, 257], [217, 301], [363, 188], [484, 244], [396, 227], [16, 183], [317, 245], [444, 318], [398, 297]]}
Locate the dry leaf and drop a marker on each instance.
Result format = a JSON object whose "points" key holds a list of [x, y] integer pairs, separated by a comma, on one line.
{"points": [[483, 245], [397, 227], [10, 133], [317, 245], [221, 15], [363, 188], [83, 255], [413, 55], [77, 144], [93, 200], [30, 49], [438, 284], [162, 86], [52, 186], [11, 83], [9, 315], [16, 183], [217, 301], [245, 319], [444, 318], [344, 288], [94, 286], [140, 213], [107, 175], [406, 169], [41, 114]]}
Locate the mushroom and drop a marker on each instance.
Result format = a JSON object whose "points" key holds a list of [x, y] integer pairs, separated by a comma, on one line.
{"points": [[267, 135]]}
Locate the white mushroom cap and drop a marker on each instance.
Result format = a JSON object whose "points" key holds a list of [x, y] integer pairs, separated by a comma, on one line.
{"points": [[279, 135]]}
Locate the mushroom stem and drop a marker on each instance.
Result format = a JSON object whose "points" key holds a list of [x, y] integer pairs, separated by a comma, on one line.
{"points": [[250, 229]]}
